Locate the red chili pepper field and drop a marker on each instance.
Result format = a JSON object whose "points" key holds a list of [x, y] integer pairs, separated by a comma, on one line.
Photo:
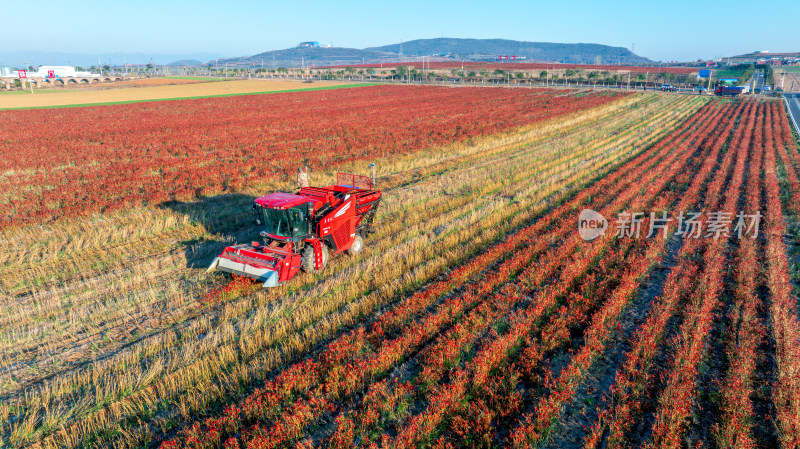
{"points": [[481, 313]]}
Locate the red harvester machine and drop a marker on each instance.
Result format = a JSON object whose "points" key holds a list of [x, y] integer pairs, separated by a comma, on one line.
{"points": [[300, 230]]}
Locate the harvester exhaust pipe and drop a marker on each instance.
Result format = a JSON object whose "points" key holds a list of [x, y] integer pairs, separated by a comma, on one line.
{"points": [[372, 166]]}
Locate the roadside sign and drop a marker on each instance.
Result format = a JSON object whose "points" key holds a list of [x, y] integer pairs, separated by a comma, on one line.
{"points": [[704, 73], [22, 74]]}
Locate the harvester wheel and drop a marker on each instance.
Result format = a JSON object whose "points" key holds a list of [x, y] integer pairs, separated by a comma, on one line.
{"points": [[355, 248], [308, 259]]}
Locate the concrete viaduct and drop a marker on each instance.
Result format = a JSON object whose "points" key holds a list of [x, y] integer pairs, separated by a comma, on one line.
{"points": [[8, 83]]}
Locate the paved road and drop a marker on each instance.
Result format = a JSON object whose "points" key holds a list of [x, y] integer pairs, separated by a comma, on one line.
{"points": [[758, 81], [794, 108]]}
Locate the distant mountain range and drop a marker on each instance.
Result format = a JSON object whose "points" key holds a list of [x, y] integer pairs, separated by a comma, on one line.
{"points": [[21, 58], [438, 49], [308, 56], [441, 49], [184, 62], [533, 51]]}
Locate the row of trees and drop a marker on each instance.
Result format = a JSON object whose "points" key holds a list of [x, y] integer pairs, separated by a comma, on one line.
{"points": [[570, 75], [94, 69], [412, 74]]}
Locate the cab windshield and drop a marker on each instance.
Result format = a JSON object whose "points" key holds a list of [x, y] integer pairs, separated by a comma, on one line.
{"points": [[284, 223]]}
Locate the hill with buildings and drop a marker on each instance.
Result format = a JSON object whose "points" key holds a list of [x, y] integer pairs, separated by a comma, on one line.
{"points": [[483, 49], [307, 56], [442, 49]]}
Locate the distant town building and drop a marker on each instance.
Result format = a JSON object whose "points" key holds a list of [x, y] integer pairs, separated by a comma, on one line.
{"points": [[763, 57], [309, 44]]}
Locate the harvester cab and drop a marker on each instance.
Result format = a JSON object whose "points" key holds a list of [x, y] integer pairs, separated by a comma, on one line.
{"points": [[301, 230]]}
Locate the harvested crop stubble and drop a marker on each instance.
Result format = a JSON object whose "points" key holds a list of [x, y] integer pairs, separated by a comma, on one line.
{"points": [[258, 332], [374, 354], [492, 352]]}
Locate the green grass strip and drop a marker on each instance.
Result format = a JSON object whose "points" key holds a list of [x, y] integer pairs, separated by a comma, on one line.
{"points": [[205, 78]]}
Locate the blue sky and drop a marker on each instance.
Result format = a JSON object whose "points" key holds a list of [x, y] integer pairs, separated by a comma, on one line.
{"points": [[676, 30]]}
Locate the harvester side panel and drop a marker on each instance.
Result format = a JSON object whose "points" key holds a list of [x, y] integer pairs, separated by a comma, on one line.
{"points": [[339, 226], [342, 234]]}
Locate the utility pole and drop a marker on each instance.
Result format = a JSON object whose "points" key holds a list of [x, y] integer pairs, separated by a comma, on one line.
{"points": [[29, 80]]}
